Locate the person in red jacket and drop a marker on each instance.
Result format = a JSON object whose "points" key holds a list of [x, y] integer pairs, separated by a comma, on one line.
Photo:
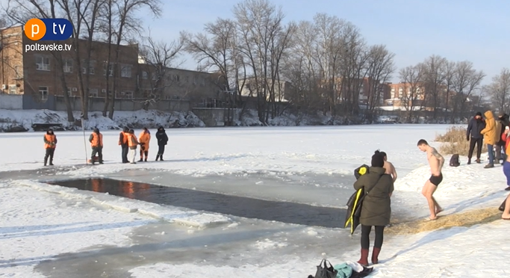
{"points": [[50, 143]]}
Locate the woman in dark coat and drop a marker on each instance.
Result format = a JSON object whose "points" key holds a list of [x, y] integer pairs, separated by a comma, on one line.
{"points": [[162, 140], [376, 208]]}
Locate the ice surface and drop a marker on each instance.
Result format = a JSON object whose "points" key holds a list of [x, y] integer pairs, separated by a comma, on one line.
{"points": [[50, 231]]}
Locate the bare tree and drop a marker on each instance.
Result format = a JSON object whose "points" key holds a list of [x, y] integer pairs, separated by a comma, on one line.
{"points": [[329, 48], [158, 56], [412, 80], [84, 15], [466, 81], [214, 49], [499, 90], [120, 24], [302, 71], [449, 78], [433, 80], [263, 40], [353, 68], [380, 67], [19, 11]]}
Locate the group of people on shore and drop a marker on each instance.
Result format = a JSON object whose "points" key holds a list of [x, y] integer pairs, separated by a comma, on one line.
{"points": [[128, 142], [378, 181], [490, 131]]}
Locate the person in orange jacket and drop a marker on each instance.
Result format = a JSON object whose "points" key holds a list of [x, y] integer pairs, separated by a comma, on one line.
{"points": [[50, 143], [133, 143], [96, 143], [144, 138], [123, 142]]}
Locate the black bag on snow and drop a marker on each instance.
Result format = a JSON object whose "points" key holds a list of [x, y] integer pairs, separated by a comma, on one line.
{"points": [[323, 271], [454, 161]]}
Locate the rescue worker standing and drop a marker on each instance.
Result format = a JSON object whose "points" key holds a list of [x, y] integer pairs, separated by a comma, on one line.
{"points": [[123, 143], [133, 143], [96, 143], [144, 138], [50, 143]]}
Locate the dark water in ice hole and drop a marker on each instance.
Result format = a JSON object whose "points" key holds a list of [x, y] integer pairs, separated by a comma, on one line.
{"points": [[216, 245], [287, 212]]}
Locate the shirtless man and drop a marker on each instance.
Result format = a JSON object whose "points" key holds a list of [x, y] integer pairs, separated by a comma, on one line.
{"points": [[436, 162], [388, 166]]}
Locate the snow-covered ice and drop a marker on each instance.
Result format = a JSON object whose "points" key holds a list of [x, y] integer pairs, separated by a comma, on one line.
{"points": [[53, 231]]}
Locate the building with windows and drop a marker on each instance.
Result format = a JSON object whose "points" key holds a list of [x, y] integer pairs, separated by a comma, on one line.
{"points": [[43, 73], [43, 76], [282, 89]]}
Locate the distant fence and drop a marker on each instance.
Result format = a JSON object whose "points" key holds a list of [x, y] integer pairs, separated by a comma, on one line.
{"points": [[19, 102], [97, 104], [11, 102], [440, 115]]}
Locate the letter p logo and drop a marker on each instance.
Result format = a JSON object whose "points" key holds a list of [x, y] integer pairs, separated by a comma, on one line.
{"points": [[46, 29], [35, 29]]}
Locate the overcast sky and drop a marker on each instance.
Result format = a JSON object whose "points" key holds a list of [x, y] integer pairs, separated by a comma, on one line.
{"points": [[473, 30]]}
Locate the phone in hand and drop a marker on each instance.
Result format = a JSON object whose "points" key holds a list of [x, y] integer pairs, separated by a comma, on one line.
{"points": [[507, 127]]}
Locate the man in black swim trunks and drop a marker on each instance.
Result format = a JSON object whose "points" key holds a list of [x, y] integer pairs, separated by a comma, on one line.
{"points": [[436, 162]]}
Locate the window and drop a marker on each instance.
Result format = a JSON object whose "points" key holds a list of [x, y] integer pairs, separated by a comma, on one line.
{"points": [[93, 92], [42, 63], [68, 65], [43, 91], [125, 71], [12, 89], [144, 75], [124, 95], [91, 69], [109, 70]]}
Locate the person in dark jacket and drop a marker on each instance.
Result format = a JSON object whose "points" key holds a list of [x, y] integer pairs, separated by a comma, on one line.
{"points": [[162, 141], [376, 207], [501, 124], [475, 126], [123, 143]]}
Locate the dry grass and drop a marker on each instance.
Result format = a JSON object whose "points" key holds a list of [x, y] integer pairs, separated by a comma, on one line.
{"points": [[466, 219], [454, 141]]}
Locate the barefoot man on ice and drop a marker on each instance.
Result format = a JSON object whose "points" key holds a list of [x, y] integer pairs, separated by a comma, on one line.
{"points": [[436, 162]]}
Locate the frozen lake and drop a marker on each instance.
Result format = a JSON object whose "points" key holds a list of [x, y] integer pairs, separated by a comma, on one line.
{"points": [[283, 192]]}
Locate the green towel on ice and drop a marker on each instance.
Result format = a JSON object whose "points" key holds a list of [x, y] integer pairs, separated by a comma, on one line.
{"points": [[344, 270]]}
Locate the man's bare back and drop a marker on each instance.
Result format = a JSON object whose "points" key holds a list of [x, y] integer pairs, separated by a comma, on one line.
{"points": [[436, 161], [390, 170]]}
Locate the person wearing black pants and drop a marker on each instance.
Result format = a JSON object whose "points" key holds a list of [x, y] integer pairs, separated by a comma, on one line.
{"points": [[50, 143], [123, 143], [376, 207], [475, 137], [162, 141], [365, 237]]}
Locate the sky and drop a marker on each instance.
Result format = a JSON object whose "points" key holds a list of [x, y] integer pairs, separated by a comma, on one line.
{"points": [[413, 30], [458, 30]]}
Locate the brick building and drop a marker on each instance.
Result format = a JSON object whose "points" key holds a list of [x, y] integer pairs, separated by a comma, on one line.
{"points": [[40, 74]]}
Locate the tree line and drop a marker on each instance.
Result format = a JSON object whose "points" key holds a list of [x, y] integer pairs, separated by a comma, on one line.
{"points": [[322, 64]]}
